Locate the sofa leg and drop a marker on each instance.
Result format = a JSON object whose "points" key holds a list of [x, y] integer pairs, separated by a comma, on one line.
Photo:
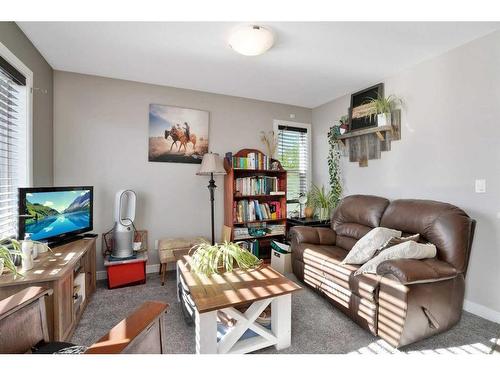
{"points": [[163, 270]]}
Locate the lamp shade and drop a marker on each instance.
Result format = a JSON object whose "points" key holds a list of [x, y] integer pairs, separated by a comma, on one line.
{"points": [[211, 163]]}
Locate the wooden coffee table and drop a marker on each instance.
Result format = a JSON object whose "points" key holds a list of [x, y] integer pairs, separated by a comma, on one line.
{"points": [[260, 287]]}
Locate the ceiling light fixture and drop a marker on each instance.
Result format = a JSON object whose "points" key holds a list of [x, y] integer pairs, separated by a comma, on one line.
{"points": [[251, 40]]}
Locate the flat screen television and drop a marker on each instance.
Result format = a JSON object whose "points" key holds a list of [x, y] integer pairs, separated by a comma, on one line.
{"points": [[55, 214]]}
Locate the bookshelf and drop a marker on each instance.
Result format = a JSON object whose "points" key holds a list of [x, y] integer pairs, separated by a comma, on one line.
{"points": [[246, 187]]}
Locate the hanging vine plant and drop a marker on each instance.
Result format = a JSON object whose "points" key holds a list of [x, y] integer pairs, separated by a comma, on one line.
{"points": [[334, 169]]}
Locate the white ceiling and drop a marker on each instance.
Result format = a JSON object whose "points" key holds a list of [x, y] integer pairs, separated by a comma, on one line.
{"points": [[310, 64]]}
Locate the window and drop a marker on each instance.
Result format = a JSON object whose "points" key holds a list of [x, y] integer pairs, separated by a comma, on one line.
{"points": [[293, 152], [14, 151]]}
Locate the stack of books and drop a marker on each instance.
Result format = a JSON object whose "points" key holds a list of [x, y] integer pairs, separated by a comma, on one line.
{"points": [[257, 185], [239, 233], [278, 229], [252, 161], [253, 210]]}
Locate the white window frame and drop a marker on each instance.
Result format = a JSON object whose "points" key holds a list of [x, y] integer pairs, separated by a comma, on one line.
{"points": [[302, 125], [28, 74]]}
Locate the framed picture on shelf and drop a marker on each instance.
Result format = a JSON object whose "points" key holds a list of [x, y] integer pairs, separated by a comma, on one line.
{"points": [[177, 135], [359, 111]]}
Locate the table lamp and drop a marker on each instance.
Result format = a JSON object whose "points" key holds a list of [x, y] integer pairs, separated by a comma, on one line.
{"points": [[211, 165]]}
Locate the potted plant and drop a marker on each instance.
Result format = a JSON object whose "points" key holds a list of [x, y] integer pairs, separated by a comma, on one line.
{"points": [[382, 107], [207, 259], [7, 254], [322, 200], [309, 209]]}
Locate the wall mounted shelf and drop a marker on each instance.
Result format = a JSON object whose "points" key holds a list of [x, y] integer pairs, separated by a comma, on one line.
{"points": [[367, 144]]}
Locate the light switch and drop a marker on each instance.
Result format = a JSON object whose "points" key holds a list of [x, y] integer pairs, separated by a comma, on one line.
{"points": [[480, 186]]}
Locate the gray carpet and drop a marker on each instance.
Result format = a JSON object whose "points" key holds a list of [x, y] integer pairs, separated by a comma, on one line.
{"points": [[317, 327]]}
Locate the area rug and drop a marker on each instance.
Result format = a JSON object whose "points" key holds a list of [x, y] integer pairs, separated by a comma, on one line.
{"points": [[317, 327]]}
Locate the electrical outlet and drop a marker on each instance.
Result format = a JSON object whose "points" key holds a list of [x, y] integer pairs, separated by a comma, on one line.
{"points": [[481, 186]]}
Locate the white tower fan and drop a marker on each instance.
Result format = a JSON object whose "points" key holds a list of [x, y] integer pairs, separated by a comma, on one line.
{"points": [[123, 230]]}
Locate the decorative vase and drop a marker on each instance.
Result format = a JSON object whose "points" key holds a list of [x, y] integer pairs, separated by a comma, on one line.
{"points": [[384, 119], [324, 213], [309, 212], [1, 266]]}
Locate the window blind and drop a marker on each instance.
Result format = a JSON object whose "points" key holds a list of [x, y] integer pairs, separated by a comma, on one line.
{"points": [[293, 152], [12, 144]]}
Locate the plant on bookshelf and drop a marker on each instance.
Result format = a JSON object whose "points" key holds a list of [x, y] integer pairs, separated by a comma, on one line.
{"points": [[254, 200]]}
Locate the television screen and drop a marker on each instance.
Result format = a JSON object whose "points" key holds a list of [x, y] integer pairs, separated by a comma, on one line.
{"points": [[51, 213]]}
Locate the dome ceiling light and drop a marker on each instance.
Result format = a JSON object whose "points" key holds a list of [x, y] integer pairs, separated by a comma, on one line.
{"points": [[251, 40]]}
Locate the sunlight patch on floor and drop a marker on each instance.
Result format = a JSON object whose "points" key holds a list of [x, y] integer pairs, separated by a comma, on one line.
{"points": [[382, 347]]}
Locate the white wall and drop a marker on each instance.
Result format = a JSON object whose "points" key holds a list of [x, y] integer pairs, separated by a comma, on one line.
{"points": [[450, 137], [101, 139]]}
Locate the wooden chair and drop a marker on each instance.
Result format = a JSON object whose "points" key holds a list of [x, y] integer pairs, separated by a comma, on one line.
{"points": [[23, 324]]}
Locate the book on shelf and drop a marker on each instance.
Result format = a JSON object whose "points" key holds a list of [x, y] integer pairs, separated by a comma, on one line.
{"points": [[253, 160], [252, 210], [256, 185], [250, 245]]}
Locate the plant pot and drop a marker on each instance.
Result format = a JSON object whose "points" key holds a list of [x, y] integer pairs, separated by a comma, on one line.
{"points": [[323, 213], [1, 266], [384, 119], [309, 212]]}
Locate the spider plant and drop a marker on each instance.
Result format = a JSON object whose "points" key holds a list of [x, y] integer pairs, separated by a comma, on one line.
{"points": [[382, 104], [6, 254], [322, 200], [207, 259], [320, 197]]}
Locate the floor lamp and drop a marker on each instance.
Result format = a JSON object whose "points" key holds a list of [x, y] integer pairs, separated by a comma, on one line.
{"points": [[211, 165]]}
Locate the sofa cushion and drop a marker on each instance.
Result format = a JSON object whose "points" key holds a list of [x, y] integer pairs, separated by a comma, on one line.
{"points": [[317, 252], [322, 265], [355, 216], [365, 210], [444, 225]]}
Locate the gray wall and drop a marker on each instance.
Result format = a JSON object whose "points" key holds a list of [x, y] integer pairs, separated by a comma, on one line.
{"points": [[450, 137], [101, 139], [15, 40]]}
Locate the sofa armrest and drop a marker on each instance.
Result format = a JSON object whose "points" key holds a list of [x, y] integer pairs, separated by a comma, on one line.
{"points": [[313, 235], [414, 271]]}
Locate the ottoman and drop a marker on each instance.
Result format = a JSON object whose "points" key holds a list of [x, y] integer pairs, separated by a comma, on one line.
{"points": [[170, 248]]}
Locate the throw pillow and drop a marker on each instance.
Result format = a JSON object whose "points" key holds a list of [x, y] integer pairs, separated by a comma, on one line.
{"points": [[405, 250], [396, 241], [364, 249]]}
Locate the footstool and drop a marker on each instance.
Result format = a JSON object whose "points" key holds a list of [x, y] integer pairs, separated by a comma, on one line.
{"points": [[170, 248]]}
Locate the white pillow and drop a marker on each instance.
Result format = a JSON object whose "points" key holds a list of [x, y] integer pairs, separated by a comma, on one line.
{"points": [[405, 250], [367, 245]]}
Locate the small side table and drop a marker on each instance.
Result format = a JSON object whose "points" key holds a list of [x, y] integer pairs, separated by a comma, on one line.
{"points": [[308, 222], [126, 272]]}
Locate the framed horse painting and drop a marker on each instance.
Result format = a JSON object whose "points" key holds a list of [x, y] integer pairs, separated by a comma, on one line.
{"points": [[177, 135]]}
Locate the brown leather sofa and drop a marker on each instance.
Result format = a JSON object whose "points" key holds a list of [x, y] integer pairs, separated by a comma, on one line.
{"points": [[408, 300]]}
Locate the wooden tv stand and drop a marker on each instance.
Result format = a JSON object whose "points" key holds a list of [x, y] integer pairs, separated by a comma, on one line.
{"points": [[70, 272]]}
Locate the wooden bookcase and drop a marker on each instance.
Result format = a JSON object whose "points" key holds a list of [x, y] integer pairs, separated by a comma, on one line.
{"points": [[231, 195]]}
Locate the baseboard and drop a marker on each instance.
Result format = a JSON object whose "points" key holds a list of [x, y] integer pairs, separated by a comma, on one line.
{"points": [[150, 268], [482, 311]]}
